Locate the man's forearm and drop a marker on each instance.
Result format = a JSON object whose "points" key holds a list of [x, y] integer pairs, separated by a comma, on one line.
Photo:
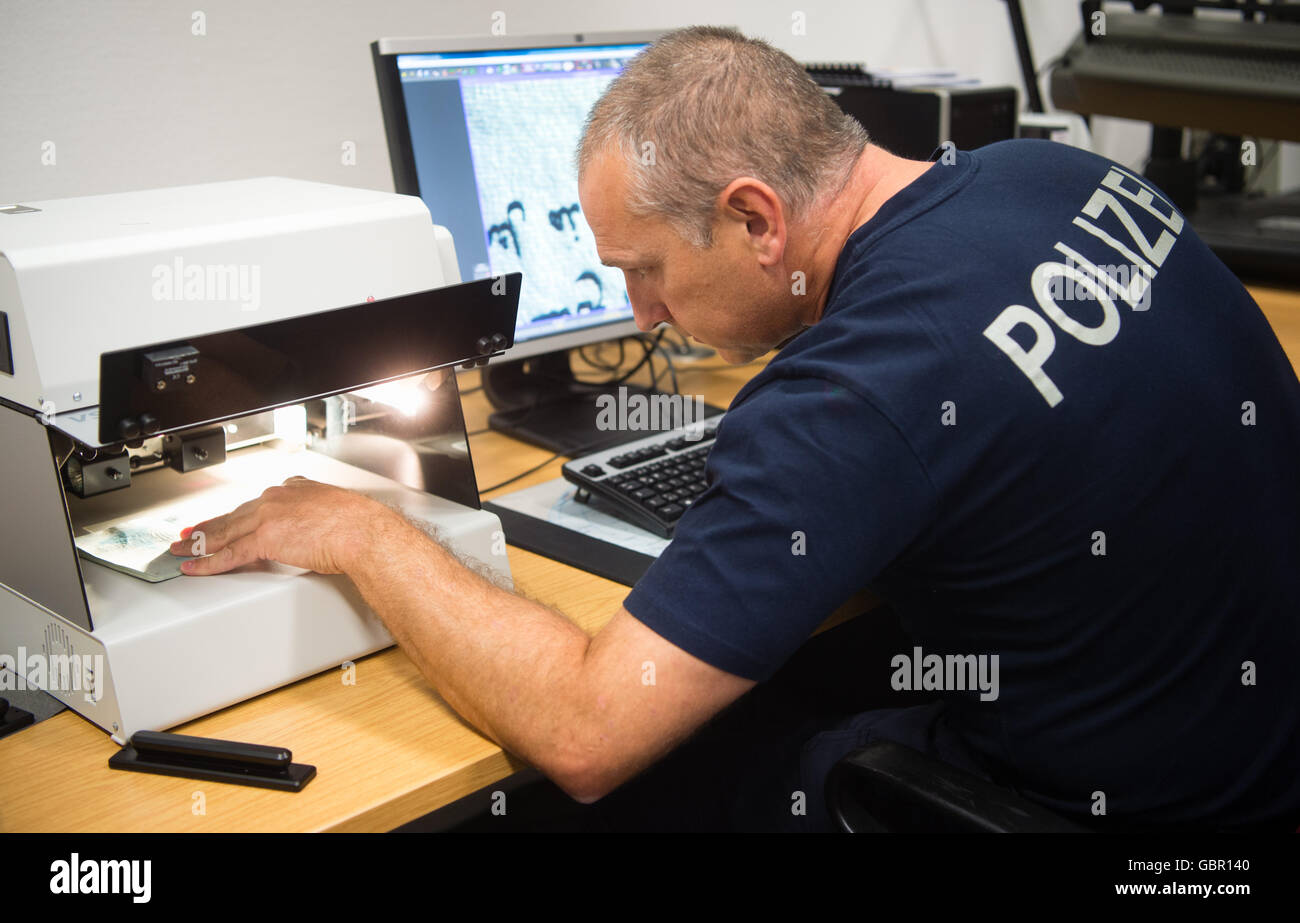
{"points": [[510, 666], [589, 712]]}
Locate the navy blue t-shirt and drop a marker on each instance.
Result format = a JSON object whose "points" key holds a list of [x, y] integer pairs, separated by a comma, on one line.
{"points": [[1046, 423]]}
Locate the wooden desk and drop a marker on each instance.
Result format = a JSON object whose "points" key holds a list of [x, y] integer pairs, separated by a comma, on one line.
{"points": [[1282, 308], [388, 749]]}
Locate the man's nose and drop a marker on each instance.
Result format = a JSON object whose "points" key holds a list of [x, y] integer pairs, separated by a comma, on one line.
{"points": [[646, 322], [648, 311]]}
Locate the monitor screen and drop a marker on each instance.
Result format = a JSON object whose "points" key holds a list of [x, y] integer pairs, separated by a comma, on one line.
{"points": [[492, 139]]}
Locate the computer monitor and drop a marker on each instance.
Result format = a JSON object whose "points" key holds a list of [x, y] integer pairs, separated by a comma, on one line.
{"points": [[484, 130]]}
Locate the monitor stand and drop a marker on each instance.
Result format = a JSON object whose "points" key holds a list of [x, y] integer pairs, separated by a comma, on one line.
{"points": [[540, 401]]}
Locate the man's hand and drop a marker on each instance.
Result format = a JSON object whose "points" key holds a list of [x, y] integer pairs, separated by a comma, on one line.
{"points": [[302, 523]]}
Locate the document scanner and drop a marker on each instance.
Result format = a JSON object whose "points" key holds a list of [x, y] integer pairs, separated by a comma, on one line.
{"points": [[166, 355]]}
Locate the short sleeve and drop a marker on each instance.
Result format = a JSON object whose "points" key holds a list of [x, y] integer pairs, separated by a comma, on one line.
{"points": [[812, 493]]}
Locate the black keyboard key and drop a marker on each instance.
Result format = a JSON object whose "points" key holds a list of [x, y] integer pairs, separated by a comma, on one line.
{"points": [[593, 471], [671, 512]]}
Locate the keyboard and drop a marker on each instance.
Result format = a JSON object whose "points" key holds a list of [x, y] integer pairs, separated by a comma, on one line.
{"points": [[648, 482], [845, 75]]}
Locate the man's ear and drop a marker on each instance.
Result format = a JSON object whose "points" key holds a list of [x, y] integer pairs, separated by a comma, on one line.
{"points": [[753, 205]]}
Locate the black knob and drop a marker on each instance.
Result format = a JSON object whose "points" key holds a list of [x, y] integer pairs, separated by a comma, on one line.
{"points": [[129, 428], [148, 424], [482, 345], [498, 342]]}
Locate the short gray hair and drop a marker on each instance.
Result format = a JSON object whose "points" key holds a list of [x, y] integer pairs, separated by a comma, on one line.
{"points": [[705, 105]]}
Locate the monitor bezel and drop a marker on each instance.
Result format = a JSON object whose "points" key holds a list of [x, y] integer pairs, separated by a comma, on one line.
{"points": [[402, 156]]}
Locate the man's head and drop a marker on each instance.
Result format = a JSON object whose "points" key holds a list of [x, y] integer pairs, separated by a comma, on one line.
{"points": [[702, 171]]}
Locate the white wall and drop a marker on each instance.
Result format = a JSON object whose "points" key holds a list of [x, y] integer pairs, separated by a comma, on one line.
{"points": [[131, 99]]}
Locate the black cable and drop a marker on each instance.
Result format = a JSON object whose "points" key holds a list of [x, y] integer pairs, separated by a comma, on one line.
{"points": [[600, 363], [648, 345], [574, 453], [596, 362], [613, 367], [523, 474], [672, 372]]}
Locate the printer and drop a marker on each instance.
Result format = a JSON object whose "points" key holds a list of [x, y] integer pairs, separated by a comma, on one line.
{"points": [[166, 355]]}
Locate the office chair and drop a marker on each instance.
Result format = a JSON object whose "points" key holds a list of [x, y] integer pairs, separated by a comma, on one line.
{"points": [[886, 787]]}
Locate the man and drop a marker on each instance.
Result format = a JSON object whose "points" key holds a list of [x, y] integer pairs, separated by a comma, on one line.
{"points": [[1016, 395]]}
